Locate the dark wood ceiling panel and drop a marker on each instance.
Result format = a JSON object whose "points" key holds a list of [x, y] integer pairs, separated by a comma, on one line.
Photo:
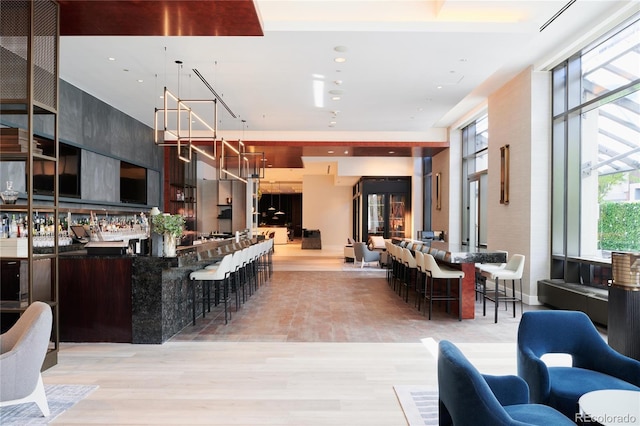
{"points": [[159, 18], [289, 154]]}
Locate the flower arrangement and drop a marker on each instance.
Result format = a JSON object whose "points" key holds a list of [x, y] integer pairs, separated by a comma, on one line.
{"points": [[168, 223]]}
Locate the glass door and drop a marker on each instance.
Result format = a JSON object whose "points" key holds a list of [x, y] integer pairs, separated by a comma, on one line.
{"points": [[397, 226], [376, 214]]}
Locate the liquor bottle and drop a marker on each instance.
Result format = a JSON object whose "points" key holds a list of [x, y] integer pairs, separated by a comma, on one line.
{"points": [[5, 226], [13, 227]]}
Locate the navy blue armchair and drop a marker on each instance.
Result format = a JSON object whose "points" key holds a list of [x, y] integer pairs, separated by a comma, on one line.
{"points": [[467, 397], [595, 365]]}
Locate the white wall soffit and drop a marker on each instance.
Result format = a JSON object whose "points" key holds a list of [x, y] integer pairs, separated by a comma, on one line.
{"points": [[359, 166]]}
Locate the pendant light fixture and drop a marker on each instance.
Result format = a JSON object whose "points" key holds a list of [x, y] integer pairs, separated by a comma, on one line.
{"points": [[271, 208], [279, 212]]}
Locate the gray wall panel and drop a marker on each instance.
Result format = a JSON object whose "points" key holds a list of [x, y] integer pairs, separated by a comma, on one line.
{"points": [[100, 178], [154, 188], [106, 136]]}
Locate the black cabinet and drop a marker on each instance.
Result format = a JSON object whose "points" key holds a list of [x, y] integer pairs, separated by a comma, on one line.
{"points": [[382, 206]]}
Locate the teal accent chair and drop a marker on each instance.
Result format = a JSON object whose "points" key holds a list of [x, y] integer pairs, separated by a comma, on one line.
{"points": [[595, 365], [467, 397]]}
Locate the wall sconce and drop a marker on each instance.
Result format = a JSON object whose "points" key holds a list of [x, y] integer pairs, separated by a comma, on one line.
{"points": [[438, 191], [504, 174]]}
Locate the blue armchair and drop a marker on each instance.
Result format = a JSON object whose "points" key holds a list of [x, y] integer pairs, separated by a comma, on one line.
{"points": [[467, 397], [595, 365]]}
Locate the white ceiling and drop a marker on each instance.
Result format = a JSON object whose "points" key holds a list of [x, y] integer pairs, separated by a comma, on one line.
{"points": [[412, 67]]}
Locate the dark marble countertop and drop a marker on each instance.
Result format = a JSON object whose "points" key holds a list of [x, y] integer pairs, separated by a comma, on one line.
{"points": [[456, 253]]}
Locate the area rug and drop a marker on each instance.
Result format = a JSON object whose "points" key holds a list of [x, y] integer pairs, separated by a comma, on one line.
{"points": [[60, 398], [419, 404]]}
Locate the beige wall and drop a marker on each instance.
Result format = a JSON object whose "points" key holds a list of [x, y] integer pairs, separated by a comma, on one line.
{"points": [[440, 218], [519, 117], [328, 208]]}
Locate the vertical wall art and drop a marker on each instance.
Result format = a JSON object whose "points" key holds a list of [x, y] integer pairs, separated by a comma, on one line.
{"points": [[504, 174], [438, 192]]}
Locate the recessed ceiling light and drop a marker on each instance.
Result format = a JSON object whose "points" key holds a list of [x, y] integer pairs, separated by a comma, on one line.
{"points": [[333, 122], [335, 98], [340, 48], [346, 151], [340, 60], [337, 82], [264, 159], [112, 59], [270, 165], [392, 152], [330, 151], [140, 80], [439, 87]]}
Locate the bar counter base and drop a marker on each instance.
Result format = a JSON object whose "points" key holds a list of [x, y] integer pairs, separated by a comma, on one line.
{"points": [[127, 299]]}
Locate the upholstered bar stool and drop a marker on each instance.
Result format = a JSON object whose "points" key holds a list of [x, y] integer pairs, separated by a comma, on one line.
{"points": [[409, 275], [435, 272], [511, 272], [421, 279], [219, 275], [481, 281]]}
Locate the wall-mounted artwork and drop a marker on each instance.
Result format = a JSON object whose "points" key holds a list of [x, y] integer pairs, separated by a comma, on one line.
{"points": [[504, 174], [438, 192]]}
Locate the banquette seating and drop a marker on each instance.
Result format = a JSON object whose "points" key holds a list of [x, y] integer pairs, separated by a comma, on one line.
{"points": [[595, 365], [467, 397]]}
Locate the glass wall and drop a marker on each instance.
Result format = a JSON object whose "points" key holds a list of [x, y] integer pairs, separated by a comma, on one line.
{"points": [[596, 151], [475, 162]]}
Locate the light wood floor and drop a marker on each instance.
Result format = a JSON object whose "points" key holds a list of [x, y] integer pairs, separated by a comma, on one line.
{"points": [[195, 379]]}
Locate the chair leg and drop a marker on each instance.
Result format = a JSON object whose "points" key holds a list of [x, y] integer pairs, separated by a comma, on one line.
{"points": [[459, 299], [484, 297], [193, 303], [521, 310], [513, 292], [40, 397], [497, 301]]}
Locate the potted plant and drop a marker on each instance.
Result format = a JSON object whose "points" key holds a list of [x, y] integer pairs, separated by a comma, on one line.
{"points": [[171, 227]]}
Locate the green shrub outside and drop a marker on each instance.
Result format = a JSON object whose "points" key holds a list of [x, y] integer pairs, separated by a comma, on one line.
{"points": [[619, 227]]}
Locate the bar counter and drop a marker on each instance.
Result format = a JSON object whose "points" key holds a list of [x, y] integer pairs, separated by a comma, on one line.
{"points": [[129, 298], [465, 258]]}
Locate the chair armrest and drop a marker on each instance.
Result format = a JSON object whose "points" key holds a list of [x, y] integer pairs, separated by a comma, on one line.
{"points": [[509, 390], [617, 365], [534, 371]]}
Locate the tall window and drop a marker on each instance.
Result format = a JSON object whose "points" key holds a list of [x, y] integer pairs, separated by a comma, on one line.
{"points": [[475, 161], [596, 150]]}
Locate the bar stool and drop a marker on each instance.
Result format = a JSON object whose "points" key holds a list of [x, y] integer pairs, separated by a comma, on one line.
{"points": [[481, 281], [512, 271], [219, 275], [435, 271], [409, 271], [421, 279]]}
